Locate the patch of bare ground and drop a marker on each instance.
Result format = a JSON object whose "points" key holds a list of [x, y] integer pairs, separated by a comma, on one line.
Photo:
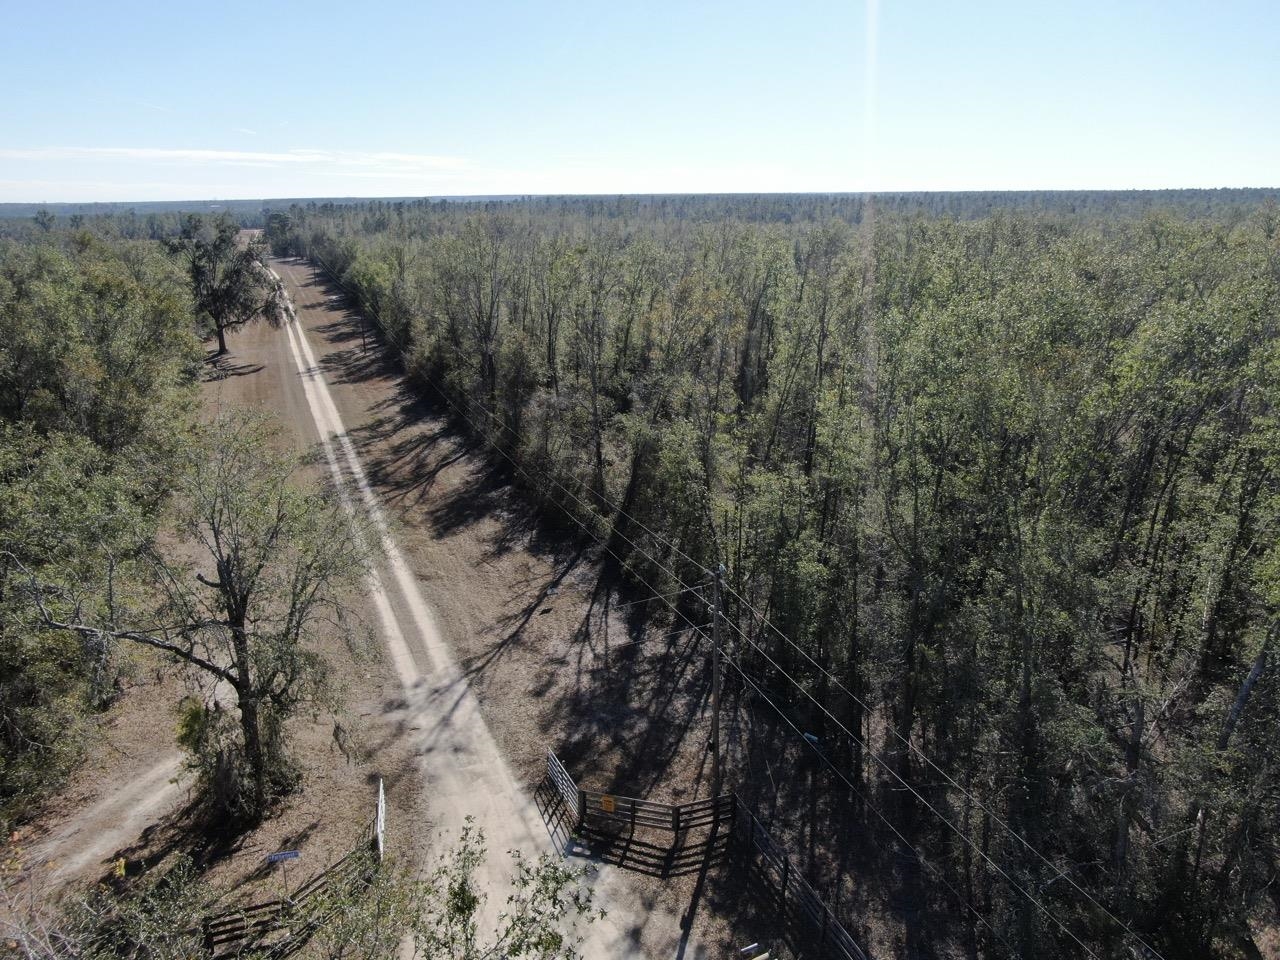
{"points": [[132, 799], [128, 741], [325, 817]]}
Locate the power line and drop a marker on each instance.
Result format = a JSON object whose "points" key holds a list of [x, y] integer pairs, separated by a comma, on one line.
{"points": [[999, 821], [660, 636], [963, 835], [678, 593], [906, 741], [685, 588], [936, 871]]}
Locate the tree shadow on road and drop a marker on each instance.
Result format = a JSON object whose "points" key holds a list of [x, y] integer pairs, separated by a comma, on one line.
{"points": [[223, 366], [622, 696]]}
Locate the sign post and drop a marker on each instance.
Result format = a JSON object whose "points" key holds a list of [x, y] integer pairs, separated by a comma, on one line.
{"points": [[283, 857]]}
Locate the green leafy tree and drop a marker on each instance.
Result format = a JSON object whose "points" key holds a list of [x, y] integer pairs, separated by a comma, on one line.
{"points": [[230, 280], [66, 518], [97, 358], [539, 922], [275, 570], [97, 341], [153, 917], [442, 916]]}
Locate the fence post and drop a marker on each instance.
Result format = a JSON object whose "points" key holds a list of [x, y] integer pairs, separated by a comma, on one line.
{"points": [[582, 808], [380, 821], [675, 823]]}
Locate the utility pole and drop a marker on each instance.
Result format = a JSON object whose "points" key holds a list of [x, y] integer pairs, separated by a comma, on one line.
{"points": [[717, 585]]}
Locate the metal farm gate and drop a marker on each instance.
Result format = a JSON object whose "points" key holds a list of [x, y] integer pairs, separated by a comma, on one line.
{"points": [[671, 839]]}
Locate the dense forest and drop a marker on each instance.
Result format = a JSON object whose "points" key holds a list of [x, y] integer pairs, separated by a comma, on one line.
{"points": [[996, 492], [97, 366], [994, 485], [157, 219]]}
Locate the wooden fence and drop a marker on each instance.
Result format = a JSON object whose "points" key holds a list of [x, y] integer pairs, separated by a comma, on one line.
{"points": [[277, 928], [609, 823]]}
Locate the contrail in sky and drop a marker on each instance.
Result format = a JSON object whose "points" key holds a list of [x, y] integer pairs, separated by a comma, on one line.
{"points": [[869, 90]]}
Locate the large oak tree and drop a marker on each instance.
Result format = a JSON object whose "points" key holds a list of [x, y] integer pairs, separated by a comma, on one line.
{"points": [[229, 276]]}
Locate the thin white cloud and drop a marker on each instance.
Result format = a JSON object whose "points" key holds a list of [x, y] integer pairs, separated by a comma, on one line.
{"points": [[246, 130], [91, 191], [336, 161]]}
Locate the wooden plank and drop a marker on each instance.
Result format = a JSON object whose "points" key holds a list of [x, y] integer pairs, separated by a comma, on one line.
{"points": [[605, 800], [642, 817], [701, 819], [709, 803], [233, 917], [229, 932]]}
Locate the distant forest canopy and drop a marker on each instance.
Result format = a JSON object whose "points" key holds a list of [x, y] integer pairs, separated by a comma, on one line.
{"points": [[1005, 487], [152, 219]]}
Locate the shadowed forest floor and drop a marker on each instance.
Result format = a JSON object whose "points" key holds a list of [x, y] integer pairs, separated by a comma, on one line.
{"points": [[565, 655]]}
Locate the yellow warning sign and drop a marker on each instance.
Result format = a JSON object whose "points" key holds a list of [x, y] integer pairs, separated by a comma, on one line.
{"points": [[607, 804]]}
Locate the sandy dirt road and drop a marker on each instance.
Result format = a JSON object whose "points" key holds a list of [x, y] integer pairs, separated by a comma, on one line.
{"points": [[463, 772], [458, 769]]}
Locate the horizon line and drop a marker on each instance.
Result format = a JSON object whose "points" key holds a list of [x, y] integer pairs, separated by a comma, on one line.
{"points": [[633, 194]]}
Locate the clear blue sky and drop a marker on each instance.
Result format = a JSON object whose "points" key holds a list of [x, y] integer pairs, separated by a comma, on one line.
{"points": [[172, 100]]}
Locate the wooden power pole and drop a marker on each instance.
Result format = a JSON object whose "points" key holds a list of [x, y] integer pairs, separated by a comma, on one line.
{"points": [[717, 600]]}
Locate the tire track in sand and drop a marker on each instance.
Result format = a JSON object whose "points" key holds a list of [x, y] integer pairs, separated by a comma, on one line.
{"points": [[110, 824]]}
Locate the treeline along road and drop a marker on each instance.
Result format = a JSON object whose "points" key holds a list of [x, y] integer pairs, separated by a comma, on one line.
{"points": [[465, 777], [997, 500]]}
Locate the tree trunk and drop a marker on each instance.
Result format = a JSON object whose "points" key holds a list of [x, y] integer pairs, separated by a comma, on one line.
{"points": [[247, 700], [251, 729]]}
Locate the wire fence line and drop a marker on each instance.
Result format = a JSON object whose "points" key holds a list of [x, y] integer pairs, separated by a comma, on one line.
{"points": [[1141, 947]]}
